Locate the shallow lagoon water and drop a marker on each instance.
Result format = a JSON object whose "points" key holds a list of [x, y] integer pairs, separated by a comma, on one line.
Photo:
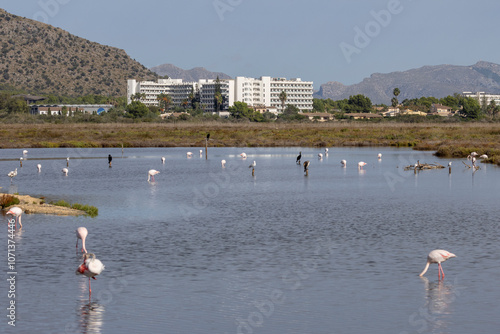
{"points": [[210, 250]]}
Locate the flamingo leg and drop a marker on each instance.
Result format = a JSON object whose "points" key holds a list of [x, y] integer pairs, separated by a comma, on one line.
{"points": [[440, 272], [90, 290]]}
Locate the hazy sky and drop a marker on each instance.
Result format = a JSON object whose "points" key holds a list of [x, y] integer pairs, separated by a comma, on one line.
{"points": [[318, 40]]}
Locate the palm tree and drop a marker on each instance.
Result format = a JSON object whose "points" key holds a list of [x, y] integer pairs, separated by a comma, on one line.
{"points": [[138, 96], [283, 100], [164, 101], [394, 100]]}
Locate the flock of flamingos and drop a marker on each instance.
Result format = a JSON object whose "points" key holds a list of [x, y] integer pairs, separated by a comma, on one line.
{"points": [[91, 266]]}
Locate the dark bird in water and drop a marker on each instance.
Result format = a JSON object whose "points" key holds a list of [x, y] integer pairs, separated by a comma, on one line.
{"points": [[306, 165], [110, 158], [298, 158]]}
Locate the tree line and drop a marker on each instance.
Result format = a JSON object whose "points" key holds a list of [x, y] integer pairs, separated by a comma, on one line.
{"points": [[191, 109]]}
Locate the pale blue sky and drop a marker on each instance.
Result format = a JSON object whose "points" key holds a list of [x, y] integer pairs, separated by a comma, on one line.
{"points": [[318, 40]]}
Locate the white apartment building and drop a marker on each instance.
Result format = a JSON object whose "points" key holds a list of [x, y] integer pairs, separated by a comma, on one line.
{"points": [[264, 91], [483, 98]]}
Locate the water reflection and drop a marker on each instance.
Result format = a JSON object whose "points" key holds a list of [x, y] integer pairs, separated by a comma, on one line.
{"points": [[90, 314], [439, 299]]}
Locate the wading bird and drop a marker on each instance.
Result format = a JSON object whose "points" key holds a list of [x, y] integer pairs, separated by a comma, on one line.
{"points": [[320, 156], [343, 163], [65, 171], [39, 168], [326, 151], [91, 267], [484, 156], [298, 158], [189, 154], [243, 155], [361, 164], [306, 165], [437, 256], [25, 152], [12, 174], [162, 160], [16, 212], [81, 233], [151, 174], [253, 164], [379, 156], [201, 153], [223, 163]]}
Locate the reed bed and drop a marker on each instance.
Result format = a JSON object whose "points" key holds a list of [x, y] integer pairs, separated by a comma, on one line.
{"points": [[448, 140]]}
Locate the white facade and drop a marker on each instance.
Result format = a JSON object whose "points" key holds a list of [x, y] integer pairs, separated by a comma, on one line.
{"points": [[264, 91], [483, 98]]}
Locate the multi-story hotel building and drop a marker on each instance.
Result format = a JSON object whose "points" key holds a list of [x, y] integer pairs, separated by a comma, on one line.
{"points": [[262, 92], [483, 98]]}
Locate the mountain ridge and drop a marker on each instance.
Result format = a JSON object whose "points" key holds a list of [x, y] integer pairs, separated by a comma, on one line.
{"points": [[42, 59], [436, 80], [191, 75]]}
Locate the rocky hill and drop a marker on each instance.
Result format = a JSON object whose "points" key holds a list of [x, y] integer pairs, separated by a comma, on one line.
{"points": [[41, 59], [438, 81], [187, 75]]}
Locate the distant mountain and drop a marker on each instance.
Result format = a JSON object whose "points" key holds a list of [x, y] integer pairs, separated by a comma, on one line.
{"points": [[438, 81], [41, 59], [187, 75]]}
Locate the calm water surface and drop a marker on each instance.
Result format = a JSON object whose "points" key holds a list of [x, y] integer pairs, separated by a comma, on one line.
{"points": [[211, 250]]}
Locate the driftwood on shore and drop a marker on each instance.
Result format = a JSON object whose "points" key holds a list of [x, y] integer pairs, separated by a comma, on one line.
{"points": [[419, 166]]}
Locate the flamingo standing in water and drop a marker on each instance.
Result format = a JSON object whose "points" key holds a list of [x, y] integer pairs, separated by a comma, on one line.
{"points": [[189, 154], [151, 174], [81, 233], [243, 155], [326, 152], [320, 156], [65, 171], [361, 164], [16, 212], [39, 167], [91, 267], [437, 256], [343, 163], [162, 160], [201, 153], [223, 163], [25, 152], [12, 174], [379, 156], [253, 164]]}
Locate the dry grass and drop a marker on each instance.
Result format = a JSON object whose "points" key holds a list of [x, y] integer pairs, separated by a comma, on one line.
{"points": [[457, 139]]}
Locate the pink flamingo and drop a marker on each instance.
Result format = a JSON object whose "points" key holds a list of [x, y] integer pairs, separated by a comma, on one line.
{"points": [[243, 155], [39, 167], [189, 154], [91, 267], [379, 156], [152, 173], [437, 256], [65, 171], [16, 212], [343, 163], [81, 233], [361, 164], [162, 160], [223, 163]]}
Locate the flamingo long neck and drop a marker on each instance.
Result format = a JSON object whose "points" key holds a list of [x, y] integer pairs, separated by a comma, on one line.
{"points": [[425, 269], [83, 245]]}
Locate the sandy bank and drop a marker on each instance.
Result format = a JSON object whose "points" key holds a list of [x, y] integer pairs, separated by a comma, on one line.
{"points": [[33, 205]]}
